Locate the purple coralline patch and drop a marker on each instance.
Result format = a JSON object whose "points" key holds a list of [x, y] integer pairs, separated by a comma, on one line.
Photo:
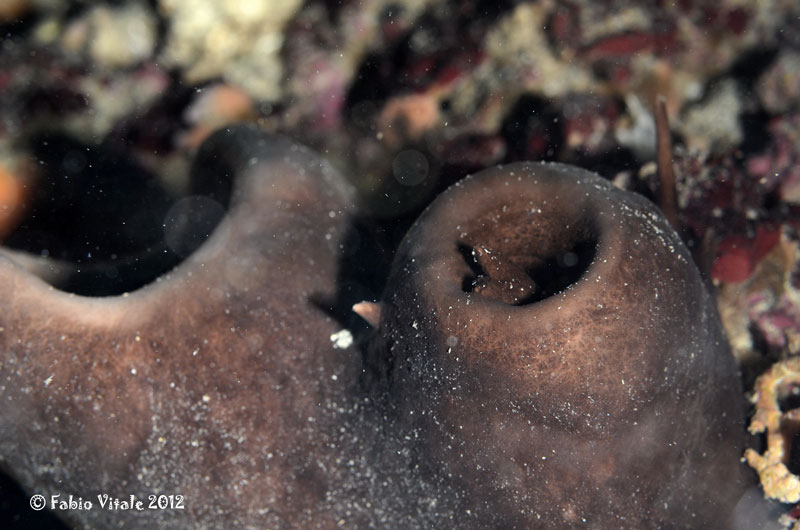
{"points": [[776, 320], [778, 167]]}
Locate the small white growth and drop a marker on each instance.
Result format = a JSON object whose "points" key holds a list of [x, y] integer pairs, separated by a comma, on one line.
{"points": [[49, 380], [342, 339]]}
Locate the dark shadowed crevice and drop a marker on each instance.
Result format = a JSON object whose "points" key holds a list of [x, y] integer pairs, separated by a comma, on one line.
{"points": [[791, 428], [100, 224], [533, 130], [516, 277], [15, 512], [556, 273], [476, 271]]}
